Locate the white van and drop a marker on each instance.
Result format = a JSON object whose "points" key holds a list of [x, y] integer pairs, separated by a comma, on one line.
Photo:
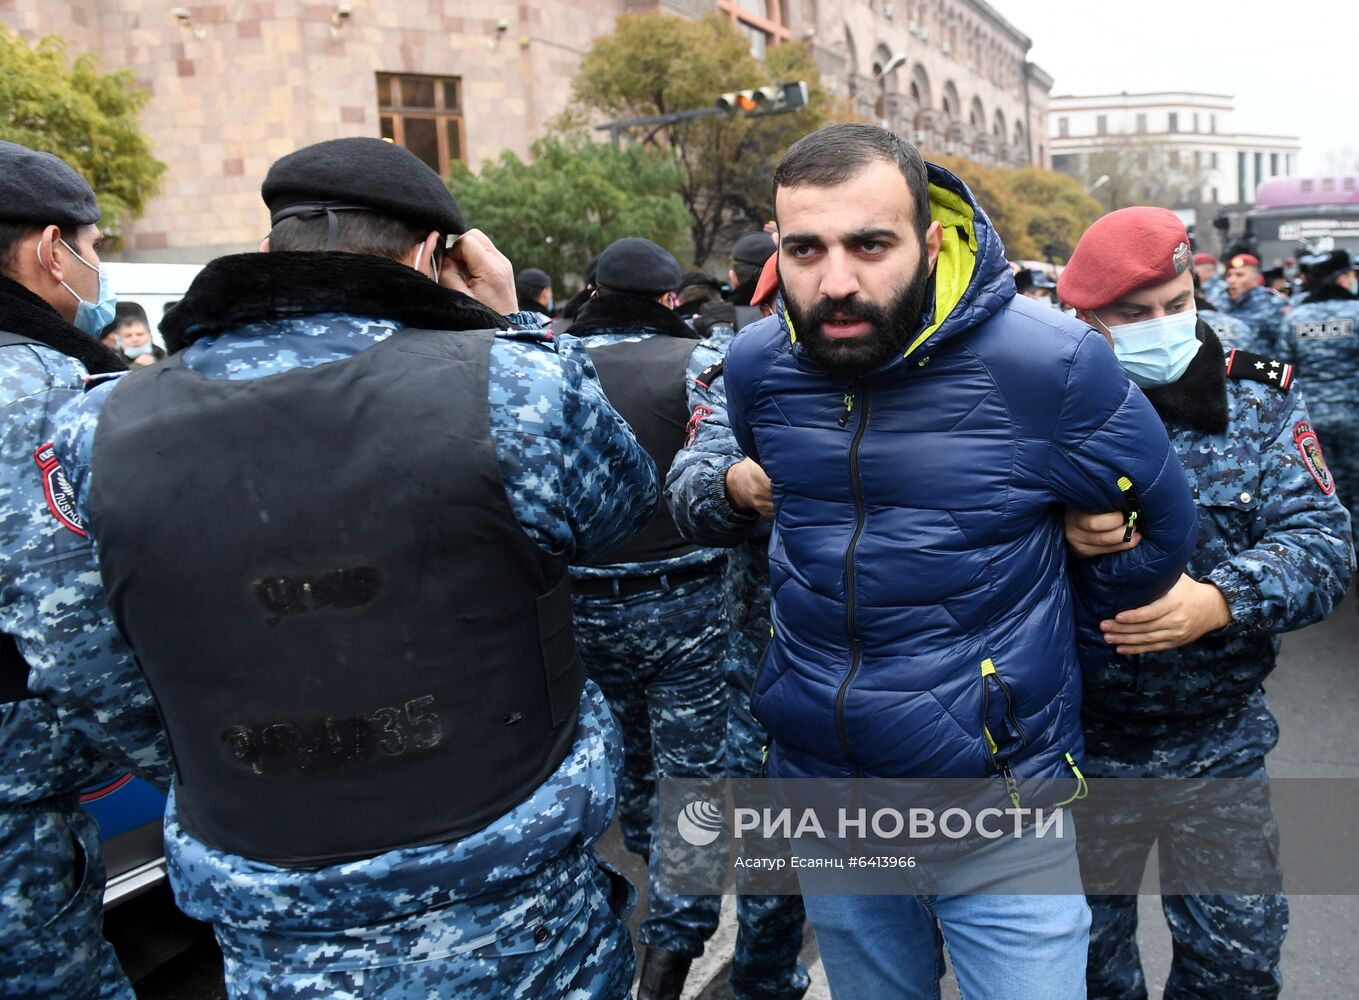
{"points": [[154, 287]]}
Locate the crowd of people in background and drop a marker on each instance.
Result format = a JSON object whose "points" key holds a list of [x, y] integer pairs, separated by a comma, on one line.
{"points": [[865, 500]]}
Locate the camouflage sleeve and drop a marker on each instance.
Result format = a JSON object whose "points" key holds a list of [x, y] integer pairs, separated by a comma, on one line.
{"points": [[1303, 555], [78, 661], [1110, 451], [609, 482], [696, 487]]}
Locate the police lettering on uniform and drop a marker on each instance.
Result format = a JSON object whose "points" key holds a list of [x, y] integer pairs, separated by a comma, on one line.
{"points": [[1183, 698], [353, 604], [1321, 340], [650, 616], [73, 707]]}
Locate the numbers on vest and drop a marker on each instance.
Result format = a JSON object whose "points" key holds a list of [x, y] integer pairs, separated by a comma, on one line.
{"points": [[323, 744]]}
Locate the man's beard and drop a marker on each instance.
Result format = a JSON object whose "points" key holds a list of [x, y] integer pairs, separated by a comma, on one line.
{"points": [[892, 326]]}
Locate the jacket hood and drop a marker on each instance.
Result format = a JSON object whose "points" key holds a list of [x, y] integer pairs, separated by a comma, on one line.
{"points": [[971, 280]]}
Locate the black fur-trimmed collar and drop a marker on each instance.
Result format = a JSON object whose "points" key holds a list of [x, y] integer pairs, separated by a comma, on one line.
{"points": [[1199, 398], [618, 310], [1330, 292], [26, 314], [249, 287]]}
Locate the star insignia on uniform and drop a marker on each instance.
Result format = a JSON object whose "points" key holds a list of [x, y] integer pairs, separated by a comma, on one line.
{"points": [[1273, 374], [1274, 364], [1259, 364]]}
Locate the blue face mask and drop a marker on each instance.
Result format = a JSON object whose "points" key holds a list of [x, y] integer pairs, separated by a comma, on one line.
{"points": [[91, 317], [1156, 351], [137, 352]]}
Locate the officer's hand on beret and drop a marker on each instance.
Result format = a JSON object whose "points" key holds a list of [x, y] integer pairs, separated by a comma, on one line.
{"points": [[1091, 535], [1188, 611], [475, 267], [749, 489]]}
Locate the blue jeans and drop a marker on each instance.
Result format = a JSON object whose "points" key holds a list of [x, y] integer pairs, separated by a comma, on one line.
{"points": [[1009, 947]]}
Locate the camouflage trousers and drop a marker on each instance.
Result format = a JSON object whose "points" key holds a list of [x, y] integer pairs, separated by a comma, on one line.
{"points": [[767, 963], [52, 906], [1225, 945], [659, 657], [559, 933]]}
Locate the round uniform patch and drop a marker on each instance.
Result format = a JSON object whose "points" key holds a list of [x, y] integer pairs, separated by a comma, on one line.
{"points": [[1310, 450]]}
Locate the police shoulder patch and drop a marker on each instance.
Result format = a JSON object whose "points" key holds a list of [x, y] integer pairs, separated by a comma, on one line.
{"points": [[711, 374], [58, 490], [1258, 368], [1310, 450]]}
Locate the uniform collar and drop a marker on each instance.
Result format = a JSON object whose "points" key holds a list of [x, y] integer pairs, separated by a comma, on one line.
{"points": [[249, 287], [26, 314], [1199, 399]]}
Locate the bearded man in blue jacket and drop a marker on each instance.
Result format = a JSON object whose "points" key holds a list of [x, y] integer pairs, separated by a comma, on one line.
{"points": [[922, 428]]}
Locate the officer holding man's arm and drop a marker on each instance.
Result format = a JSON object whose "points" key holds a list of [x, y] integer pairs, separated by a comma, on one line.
{"points": [[73, 706], [1183, 697], [391, 770]]}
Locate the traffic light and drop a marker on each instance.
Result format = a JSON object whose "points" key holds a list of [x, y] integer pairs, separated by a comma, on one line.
{"points": [[765, 100]]}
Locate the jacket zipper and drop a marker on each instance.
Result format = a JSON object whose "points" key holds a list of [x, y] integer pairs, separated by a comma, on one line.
{"points": [[860, 516], [1133, 506]]}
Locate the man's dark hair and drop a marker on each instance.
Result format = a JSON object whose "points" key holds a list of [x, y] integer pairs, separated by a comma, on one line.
{"points": [[696, 293], [370, 233], [11, 235], [836, 153]]}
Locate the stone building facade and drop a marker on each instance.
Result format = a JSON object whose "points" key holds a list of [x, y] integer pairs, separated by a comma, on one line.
{"points": [[235, 84]]}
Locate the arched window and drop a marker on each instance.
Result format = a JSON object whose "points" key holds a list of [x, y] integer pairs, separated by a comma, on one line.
{"points": [[977, 116]]}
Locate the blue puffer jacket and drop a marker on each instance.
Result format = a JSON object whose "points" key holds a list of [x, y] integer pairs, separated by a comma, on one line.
{"points": [[924, 614]]}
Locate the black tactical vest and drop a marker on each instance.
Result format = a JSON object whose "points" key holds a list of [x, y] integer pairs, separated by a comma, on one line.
{"points": [[645, 381], [354, 645]]}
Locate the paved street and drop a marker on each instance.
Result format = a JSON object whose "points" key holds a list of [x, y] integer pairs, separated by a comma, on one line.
{"points": [[1314, 692]]}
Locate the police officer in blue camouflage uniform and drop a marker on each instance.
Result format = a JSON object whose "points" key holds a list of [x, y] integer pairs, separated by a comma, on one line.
{"points": [[702, 488], [73, 707], [1212, 285], [1321, 341], [366, 486], [651, 618], [1252, 303], [1183, 699]]}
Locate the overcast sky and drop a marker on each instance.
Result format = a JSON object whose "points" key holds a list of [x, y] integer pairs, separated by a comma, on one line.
{"points": [[1292, 67]]}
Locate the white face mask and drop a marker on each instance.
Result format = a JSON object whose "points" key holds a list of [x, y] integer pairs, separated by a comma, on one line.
{"points": [[1156, 351]]}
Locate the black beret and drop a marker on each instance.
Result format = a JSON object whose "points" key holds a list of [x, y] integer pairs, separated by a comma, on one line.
{"points": [[362, 173], [633, 264], [753, 248], [533, 278], [1322, 268], [43, 189]]}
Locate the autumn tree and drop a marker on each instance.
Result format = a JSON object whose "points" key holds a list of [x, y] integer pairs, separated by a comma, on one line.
{"points": [[654, 64], [571, 201], [1141, 170], [1057, 210], [88, 118]]}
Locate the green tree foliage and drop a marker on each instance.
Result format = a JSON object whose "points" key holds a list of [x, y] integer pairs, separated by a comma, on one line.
{"points": [[1058, 209], [655, 64], [1008, 215], [88, 119], [574, 199]]}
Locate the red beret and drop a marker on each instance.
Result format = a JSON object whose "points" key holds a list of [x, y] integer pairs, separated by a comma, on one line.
{"points": [[768, 283], [1204, 258], [1121, 252], [1244, 260]]}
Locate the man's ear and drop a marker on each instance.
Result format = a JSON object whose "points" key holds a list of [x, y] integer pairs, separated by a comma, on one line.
{"points": [[264, 245], [934, 239], [49, 254]]}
